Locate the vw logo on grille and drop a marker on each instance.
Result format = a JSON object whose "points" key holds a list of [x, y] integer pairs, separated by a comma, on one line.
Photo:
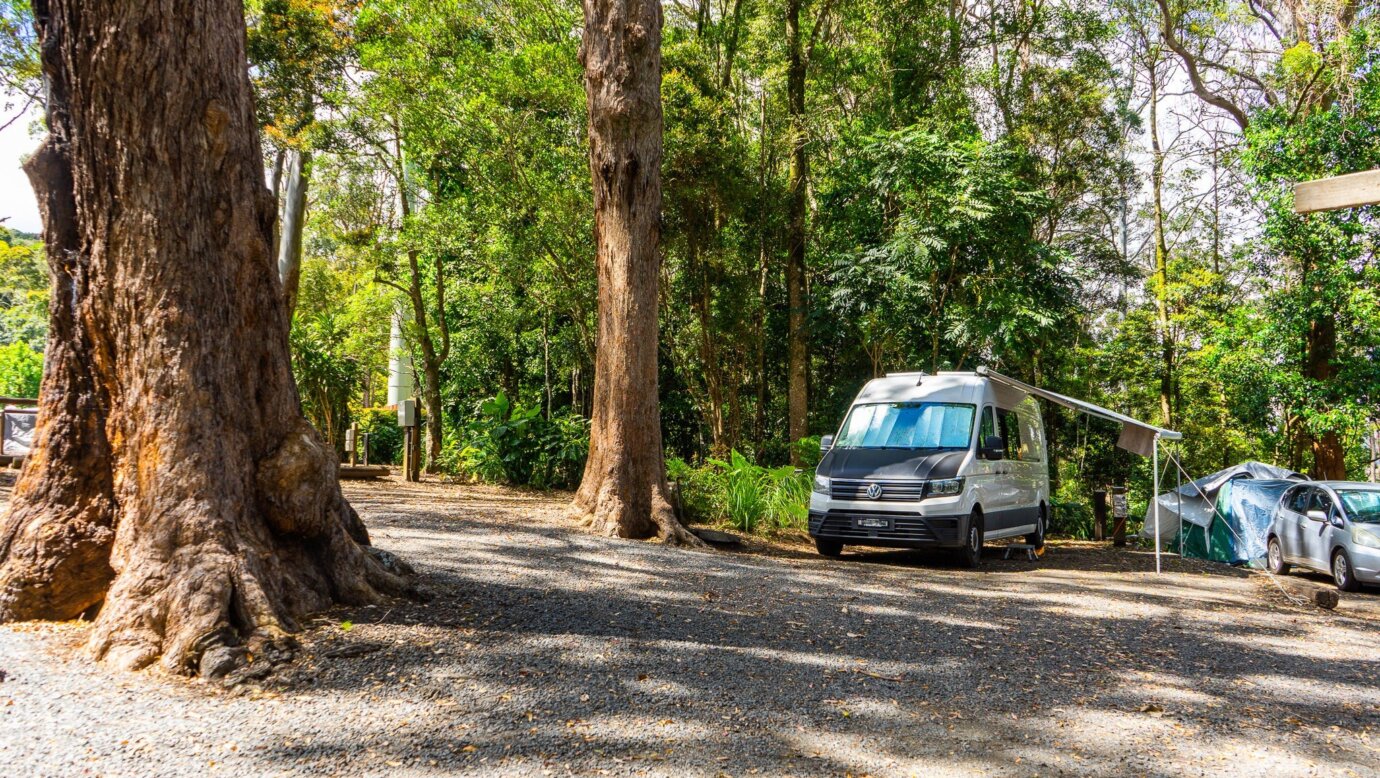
{"points": [[874, 491]]}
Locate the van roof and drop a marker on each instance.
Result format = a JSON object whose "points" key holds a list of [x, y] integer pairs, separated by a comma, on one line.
{"points": [[946, 386]]}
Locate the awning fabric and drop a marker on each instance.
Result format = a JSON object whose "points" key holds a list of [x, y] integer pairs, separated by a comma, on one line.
{"points": [[1137, 436]]}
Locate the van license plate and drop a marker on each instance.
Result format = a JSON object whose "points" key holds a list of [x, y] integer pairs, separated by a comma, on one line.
{"points": [[873, 522]]}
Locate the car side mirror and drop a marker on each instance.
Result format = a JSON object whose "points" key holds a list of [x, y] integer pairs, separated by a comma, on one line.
{"points": [[993, 447], [1316, 516], [826, 443]]}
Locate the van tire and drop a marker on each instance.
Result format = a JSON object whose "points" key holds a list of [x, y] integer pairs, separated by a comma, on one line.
{"points": [[1037, 538], [830, 548], [970, 555]]}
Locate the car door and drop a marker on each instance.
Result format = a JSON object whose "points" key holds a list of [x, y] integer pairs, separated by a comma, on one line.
{"points": [[1291, 522], [1317, 535]]}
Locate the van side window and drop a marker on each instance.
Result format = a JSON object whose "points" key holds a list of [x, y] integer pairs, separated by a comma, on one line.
{"points": [[1010, 432], [1031, 434], [987, 428]]}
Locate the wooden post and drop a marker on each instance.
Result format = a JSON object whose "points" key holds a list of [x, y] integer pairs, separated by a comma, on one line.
{"points": [[1119, 513], [414, 472], [1100, 514]]}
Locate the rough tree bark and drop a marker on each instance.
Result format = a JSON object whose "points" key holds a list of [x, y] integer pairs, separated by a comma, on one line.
{"points": [[624, 491], [176, 493]]}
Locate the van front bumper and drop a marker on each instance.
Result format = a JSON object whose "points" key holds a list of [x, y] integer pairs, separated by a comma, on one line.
{"points": [[897, 530]]}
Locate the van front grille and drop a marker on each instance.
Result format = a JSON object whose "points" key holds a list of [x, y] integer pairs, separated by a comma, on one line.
{"points": [[845, 526], [897, 491]]}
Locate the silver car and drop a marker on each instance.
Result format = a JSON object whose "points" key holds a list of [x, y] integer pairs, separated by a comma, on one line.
{"points": [[1331, 527]]}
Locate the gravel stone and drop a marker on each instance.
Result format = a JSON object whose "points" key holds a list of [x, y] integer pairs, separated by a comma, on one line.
{"points": [[550, 651]]}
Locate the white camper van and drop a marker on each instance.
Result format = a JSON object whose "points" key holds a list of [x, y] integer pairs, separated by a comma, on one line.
{"points": [[933, 461]]}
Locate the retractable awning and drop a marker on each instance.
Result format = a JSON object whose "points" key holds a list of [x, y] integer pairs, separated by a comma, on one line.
{"points": [[1136, 436]]}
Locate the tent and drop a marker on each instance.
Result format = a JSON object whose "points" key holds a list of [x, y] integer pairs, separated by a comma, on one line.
{"points": [[1224, 516]]}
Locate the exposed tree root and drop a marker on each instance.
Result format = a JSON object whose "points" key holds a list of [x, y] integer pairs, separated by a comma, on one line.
{"points": [[614, 515], [233, 594]]}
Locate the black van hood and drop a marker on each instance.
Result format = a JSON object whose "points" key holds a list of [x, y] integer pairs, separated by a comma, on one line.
{"points": [[880, 464]]}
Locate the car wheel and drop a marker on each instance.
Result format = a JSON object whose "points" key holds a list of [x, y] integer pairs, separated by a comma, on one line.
{"points": [[1342, 573], [830, 548], [1037, 538], [1274, 558], [971, 554]]}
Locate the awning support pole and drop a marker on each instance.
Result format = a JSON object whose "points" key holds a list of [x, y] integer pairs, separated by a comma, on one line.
{"points": [[1155, 497], [1178, 490]]}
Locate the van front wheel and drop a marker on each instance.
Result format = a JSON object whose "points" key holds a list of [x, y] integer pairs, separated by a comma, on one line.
{"points": [[830, 548], [971, 554]]}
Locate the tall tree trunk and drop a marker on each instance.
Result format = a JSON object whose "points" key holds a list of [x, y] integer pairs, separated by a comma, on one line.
{"points": [[624, 491], [1329, 456], [294, 210], [433, 356], [797, 326], [1161, 249], [197, 519]]}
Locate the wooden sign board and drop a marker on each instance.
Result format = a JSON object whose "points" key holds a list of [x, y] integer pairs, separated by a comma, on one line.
{"points": [[1330, 194]]}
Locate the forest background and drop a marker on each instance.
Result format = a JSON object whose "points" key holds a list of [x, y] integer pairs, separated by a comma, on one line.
{"points": [[1094, 197]]}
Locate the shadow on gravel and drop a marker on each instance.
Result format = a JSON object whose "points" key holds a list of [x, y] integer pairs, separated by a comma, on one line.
{"points": [[547, 649]]}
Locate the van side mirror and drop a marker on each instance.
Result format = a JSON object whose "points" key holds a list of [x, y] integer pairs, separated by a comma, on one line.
{"points": [[1317, 516], [826, 443], [994, 447]]}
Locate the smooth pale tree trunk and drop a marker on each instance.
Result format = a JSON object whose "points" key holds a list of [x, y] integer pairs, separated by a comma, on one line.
{"points": [[797, 320], [1161, 251], [297, 165], [624, 491], [176, 492]]}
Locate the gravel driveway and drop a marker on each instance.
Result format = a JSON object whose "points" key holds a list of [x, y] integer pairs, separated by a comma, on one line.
{"points": [[548, 651]]}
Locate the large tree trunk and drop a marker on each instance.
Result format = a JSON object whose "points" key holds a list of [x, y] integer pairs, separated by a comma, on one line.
{"points": [[797, 324], [624, 491], [176, 490]]}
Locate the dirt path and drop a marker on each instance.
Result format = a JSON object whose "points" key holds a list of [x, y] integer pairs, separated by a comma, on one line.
{"points": [[548, 651]]}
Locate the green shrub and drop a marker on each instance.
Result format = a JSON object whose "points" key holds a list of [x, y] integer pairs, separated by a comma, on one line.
{"points": [[385, 436], [512, 444], [746, 496], [20, 370]]}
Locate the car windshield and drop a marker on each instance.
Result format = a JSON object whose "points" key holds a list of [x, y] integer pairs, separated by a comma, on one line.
{"points": [[1362, 505], [909, 425]]}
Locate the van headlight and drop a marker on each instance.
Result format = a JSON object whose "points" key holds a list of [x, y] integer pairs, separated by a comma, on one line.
{"points": [[821, 484], [1364, 536], [946, 488]]}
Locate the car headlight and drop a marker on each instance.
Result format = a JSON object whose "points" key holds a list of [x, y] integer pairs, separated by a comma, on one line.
{"points": [[821, 484], [1365, 537], [946, 488]]}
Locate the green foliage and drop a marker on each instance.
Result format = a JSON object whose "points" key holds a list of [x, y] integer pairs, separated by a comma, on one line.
{"points": [[23, 291], [326, 376], [20, 370], [512, 444], [20, 77], [385, 436], [743, 495]]}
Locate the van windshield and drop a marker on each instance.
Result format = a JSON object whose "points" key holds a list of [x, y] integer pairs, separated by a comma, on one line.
{"points": [[909, 425]]}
